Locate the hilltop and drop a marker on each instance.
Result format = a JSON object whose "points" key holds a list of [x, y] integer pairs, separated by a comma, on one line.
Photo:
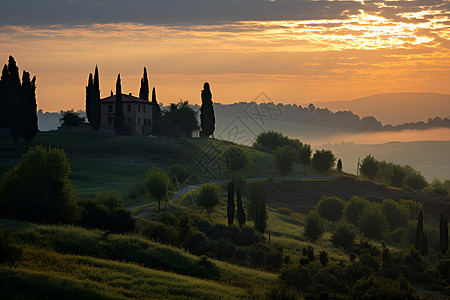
{"points": [[396, 108]]}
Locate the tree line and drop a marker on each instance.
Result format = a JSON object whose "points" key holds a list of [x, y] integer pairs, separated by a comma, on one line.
{"points": [[18, 102]]}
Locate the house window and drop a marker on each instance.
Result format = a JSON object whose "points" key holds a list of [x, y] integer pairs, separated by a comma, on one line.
{"points": [[139, 121], [145, 121], [129, 120], [139, 108], [110, 108], [129, 108]]}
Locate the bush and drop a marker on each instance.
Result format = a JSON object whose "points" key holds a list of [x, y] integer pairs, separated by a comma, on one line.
{"points": [[236, 158], [314, 227], [369, 167], [323, 160], [270, 140], [106, 212], [161, 233], [415, 180], [396, 214], [413, 207], [343, 236], [373, 222], [38, 188], [285, 157], [354, 208], [9, 253], [330, 208]]}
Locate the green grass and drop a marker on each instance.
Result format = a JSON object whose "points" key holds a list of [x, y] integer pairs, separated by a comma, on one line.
{"points": [[101, 163]]}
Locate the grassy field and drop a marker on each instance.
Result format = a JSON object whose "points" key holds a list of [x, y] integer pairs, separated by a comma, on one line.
{"points": [[101, 163], [72, 259]]}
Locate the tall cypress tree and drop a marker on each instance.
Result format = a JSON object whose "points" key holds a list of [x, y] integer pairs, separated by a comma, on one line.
{"points": [[424, 244], [419, 232], [144, 90], [156, 126], [119, 117], [240, 215], [230, 205], [90, 98], [96, 113], [207, 112], [5, 89], [29, 107], [443, 234], [14, 102]]}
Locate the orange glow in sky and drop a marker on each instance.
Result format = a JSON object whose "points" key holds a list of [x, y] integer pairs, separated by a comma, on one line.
{"points": [[292, 61]]}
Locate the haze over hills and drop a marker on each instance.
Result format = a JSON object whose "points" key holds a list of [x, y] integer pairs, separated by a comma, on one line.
{"points": [[395, 108]]}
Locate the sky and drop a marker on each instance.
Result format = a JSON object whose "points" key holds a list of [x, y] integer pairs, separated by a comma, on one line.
{"points": [[295, 51]]}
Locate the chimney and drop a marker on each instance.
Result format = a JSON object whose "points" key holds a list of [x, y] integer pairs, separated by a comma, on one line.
{"points": [[130, 94]]}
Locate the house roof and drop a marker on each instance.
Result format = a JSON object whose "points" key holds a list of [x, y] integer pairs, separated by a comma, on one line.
{"points": [[125, 99]]}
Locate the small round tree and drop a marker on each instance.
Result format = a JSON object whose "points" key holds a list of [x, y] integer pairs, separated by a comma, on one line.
{"points": [[285, 157], [323, 160], [373, 222], [397, 215], [354, 208], [369, 167], [38, 188], [209, 197], [314, 226], [330, 208], [158, 185], [343, 236], [235, 158]]}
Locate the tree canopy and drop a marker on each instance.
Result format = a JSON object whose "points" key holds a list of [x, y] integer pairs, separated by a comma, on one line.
{"points": [[323, 160], [209, 197], [158, 185], [180, 120], [369, 167], [285, 157]]}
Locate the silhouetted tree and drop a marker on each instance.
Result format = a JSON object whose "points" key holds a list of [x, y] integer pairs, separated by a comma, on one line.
{"points": [[180, 120], [257, 207], [339, 166], [29, 106], [323, 160], [285, 157], [369, 167], [419, 232], [304, 156], [240, 215], [415, 179], [71, 118], [424, 244], [157, 117], [18, 102], [96, 113], [144, 90], [90, 98], [230, 204], [234, 158], [397, 176], [119, 117], [443, 235], [207, 118], [314, 227]]}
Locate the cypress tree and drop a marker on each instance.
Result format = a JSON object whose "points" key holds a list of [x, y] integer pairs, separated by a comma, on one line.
{"points": [[156, 126], [419, 232], [230, 206], [96, 113], [119, 117], [207, 112], [144, 90], [14, 102], [90, 98], [443, 234], [339, 165], [4, 97], [240, 215], [29, 106]]}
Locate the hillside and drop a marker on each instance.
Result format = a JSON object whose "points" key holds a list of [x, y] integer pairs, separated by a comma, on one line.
{"points": [[396, 108]]}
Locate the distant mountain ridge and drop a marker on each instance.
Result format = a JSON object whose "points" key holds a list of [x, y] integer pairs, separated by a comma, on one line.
{"points": [[395, 108]]}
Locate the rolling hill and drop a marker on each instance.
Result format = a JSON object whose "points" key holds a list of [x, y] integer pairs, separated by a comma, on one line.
{"points": [[395, 108]]}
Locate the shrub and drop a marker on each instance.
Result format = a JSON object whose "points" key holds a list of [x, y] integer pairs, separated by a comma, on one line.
{"points": [[38, 188], [330, 208], [323, 258], [373, 223], [354, 208], [396, 214], [314, 227], [412, 206], [415, 180], [161, 233], [343, 236], [9, 253], [236, 158], [369, 167], [285, 157]]}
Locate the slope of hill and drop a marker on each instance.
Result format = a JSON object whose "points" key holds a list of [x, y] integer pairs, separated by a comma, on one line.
{"points": [[396, 108]]}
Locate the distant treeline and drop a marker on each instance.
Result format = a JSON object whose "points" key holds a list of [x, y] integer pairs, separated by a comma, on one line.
{"points": [[291, 113], [320, 116]]}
